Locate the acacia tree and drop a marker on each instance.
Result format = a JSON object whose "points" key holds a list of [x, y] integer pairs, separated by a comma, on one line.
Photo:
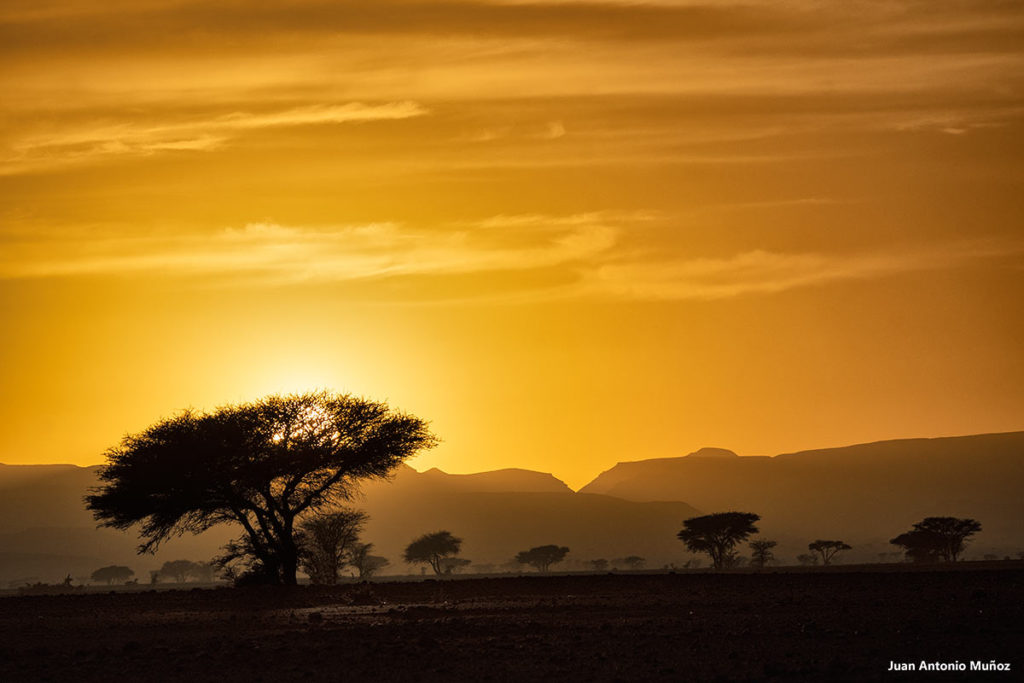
{"points": [[453, 565], [935, 538], [261, 465], [326, 541], [633, 562], [203, 572], [762, 552], [366, 564], [113, 573], [179, 570], [827, 549], [543, 556], [718, 534], [806, 560], [432, 548]]}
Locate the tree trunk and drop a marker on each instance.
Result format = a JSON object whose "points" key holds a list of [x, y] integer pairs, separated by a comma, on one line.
{"points": [[289, 567]]}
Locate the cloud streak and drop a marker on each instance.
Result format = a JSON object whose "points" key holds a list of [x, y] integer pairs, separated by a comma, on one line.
{"points": [[126, 139], [271, 254], [591, 249], [766, 272]]}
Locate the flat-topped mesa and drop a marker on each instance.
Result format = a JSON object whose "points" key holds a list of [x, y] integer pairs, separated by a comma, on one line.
{"points": [[708, 452]]}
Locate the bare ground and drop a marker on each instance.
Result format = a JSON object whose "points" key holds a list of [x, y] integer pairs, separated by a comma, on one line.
{"points": [[843, 624]]}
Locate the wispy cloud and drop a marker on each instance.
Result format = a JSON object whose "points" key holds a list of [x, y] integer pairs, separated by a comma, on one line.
{"points": [[765, 272], [85, 142], [591, 249], [274, 254]]}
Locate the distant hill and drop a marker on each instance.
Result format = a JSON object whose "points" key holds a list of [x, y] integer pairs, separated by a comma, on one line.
{"points": [[501, 513], [508, 480], [863, 494], [46, 532]]}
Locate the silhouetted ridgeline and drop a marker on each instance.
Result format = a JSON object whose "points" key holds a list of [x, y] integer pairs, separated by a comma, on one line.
{"points": [[500, 513], [859, 493], [863, 494]]}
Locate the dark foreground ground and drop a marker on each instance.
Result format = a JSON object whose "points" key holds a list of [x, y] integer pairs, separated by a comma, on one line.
{"points": [[827, 625]]}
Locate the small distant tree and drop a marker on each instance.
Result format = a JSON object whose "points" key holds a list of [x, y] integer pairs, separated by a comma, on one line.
{"points": [[430, 549], [935, 538], [364, 562], [762, 553], [633, 562], [599, 565], [543, 556], [693, 563], [453, 565], [806, 560], [204, 572], [178, 570], [326, 540], [112, 574], [718, 534], [827, 550]]}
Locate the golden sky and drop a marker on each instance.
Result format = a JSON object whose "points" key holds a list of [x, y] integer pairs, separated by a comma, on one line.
{"points": [[567, 233]]}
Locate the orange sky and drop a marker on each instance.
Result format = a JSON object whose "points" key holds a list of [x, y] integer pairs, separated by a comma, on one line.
{"points": [[567, 233]]}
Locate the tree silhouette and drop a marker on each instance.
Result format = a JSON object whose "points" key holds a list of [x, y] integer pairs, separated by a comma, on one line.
{"points": [[326, 540], [935, 538], [453, 565], [827, 550], [366, 564], [203, 571], [762, 552], [806, 560], [179, 570], [599, 565], [111, 574], [718, 534], [633, 562], [543, 556], [432, 548], [261, 465]]}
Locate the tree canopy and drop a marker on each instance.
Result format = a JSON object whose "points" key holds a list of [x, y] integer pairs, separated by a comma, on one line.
{"points": [[113, 573], [827, 550], [261, 465], [364, 562], [432, 549], [543, 556], [179, 570], [718, 534], [935, 538], [762, 552], [632, 562]]}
